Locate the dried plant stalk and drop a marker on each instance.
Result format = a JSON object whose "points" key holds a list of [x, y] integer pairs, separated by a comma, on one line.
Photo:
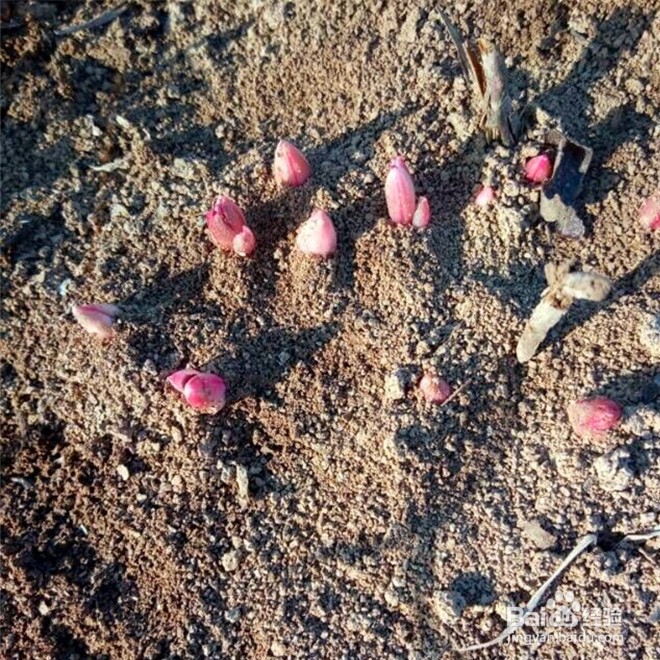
{"points": [[484, 69], [564, 287], [586, 286], [544, 317], [496, 106]]}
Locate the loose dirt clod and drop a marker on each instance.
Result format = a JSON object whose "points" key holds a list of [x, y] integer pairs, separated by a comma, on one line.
{"points": [[649, 333], [614, 470], [540, 537]]}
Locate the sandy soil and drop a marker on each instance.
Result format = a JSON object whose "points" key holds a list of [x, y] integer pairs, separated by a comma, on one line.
{"points": [[372, 527]]}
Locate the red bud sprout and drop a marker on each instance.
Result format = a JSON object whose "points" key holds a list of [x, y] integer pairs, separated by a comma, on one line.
{"points": [[317, 235], [97, 319], [400, 193], [485, 196], [594, 416], [649, 213], [290, 167], [434, 389], [539, 168], [204, 392], [422, 215]]}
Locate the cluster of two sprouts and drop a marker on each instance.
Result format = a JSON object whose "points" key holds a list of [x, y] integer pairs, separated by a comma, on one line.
{"points": [[403, 207]]}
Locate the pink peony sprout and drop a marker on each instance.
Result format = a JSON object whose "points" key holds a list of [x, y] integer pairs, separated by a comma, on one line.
{"points": [[290, 167], [400, 193], [96, 319], [539, 168], [594, 416], [226, 222], [649, 213], [244, 242], [317, 235], [434, 389], [204, 392], [485, 196], [422, 215], [179, 378]]}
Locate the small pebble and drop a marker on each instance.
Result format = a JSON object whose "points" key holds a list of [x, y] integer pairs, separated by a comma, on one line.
{"points": [[391, 598], [614, 470], [227, 474], [395, 385], [278, 649], [230, 561], [242, 482], [448, 606], [183, 169], [542, 539], [233, 615], [642, 421]]}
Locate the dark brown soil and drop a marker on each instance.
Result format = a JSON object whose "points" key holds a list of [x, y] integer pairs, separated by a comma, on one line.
{"points": [[364, 515]]}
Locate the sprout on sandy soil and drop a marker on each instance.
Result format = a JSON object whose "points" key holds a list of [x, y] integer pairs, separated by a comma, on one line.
{"points": [[317, 236], [485, 196], [400, 193], [434, 389], [422, 215], [538, 169], [649, 213], [290, 167], [403, 207], [97, 319], [564, 287], [244, 242], [204, 392], [595, 416], [485, 72], [226, 225]]}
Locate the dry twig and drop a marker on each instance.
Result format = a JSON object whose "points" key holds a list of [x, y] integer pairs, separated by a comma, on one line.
{"points": [[583, 544], [102, 19], [564, 287]]}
